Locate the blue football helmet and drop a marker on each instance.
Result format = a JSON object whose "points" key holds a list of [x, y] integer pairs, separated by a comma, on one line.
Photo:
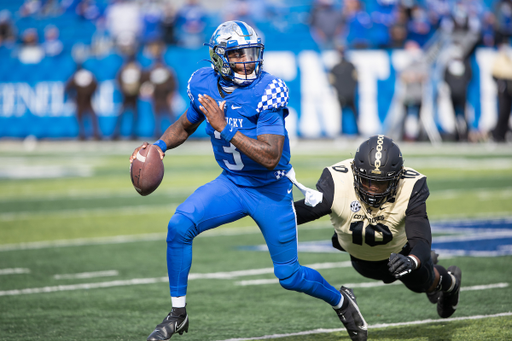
{"points": [[239, 42]]}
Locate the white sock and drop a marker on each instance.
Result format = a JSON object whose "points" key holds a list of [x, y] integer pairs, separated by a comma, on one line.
{"points": [[338, 306], [179, 302]]}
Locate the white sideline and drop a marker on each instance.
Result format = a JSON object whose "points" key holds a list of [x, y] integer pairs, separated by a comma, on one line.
{"points": [[137, 238], [213, 275], [380, 325], [371, 284], [210, 233], [137, 281], [14, 271], [82, 275]]}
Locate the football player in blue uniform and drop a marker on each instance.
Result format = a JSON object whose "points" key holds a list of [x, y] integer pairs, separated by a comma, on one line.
{"points": [[244, 108]]}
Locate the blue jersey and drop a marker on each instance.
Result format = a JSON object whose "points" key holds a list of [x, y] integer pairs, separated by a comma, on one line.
{"points": [[257, 109]]}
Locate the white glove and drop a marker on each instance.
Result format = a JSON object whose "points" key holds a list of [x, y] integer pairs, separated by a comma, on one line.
{"points": [[311, 197]]}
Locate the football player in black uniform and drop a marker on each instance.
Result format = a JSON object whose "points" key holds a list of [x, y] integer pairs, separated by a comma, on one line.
{"points": [[378, 210]]}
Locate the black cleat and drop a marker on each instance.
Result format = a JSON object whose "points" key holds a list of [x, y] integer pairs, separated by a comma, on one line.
{"points": [[433, 296], [175, 322], [448, 301], [351, 317]]}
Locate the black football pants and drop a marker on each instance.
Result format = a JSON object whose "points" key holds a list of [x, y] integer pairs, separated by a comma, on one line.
{"points": [[419, 280]]}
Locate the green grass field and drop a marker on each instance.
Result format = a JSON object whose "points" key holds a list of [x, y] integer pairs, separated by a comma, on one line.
{"points": [[82, 255]]}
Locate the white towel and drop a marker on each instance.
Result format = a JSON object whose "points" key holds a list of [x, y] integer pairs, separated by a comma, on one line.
{"points": [[311, 197]]}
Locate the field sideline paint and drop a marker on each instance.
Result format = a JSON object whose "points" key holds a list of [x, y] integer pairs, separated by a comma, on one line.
{"points": [[380, 325]]}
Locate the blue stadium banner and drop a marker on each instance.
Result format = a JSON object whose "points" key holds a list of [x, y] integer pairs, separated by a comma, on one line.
{"points": [[33, 102]]}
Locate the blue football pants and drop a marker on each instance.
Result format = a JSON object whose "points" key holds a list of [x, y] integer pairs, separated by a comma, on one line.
{"points": [[271, 207]]}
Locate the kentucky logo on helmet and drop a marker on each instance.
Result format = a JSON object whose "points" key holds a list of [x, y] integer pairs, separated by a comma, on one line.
{"points": [[378, 154]]}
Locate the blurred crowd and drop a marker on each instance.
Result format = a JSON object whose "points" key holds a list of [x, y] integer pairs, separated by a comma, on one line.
{"points": [[122, 22], [390, 23], [438, 36], [354, 23]]}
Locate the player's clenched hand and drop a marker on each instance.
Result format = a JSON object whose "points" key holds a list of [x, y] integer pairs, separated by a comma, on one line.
{"points": [[400, 265], [144, 146], [213, 112], [134, 154]]}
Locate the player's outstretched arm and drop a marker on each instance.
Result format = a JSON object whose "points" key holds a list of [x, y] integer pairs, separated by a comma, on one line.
{"points": [[175, 135], [179, 132], [266, 150]]}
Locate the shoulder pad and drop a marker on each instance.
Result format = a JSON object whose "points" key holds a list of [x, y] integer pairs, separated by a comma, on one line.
{"points": [[344, 166], [411, 174], [197, 81], [274, 93]]}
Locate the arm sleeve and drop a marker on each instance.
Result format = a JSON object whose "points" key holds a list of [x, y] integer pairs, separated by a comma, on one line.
{"points": [[193, 116], [307, 213], [272, 122], [417, 226], [419, 194]]}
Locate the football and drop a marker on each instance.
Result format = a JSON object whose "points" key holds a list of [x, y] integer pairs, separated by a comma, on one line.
{"points": [[147, 170]]}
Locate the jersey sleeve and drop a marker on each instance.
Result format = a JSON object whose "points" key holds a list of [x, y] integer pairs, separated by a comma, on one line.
{"points": [[275, 96], [194, 115], [326, 185], [307, 213], [271, 122], [417, 226], [419, 235], [419, 194]]}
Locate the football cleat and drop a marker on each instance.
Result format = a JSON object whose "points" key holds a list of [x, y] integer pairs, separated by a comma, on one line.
{"points": [[433, 296], [448, 301], [352, 318], [175, 322]]}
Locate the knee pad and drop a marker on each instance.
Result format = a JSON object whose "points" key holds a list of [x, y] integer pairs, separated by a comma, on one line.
{"points": [[290, 277], [180, 229], [293, 282]]}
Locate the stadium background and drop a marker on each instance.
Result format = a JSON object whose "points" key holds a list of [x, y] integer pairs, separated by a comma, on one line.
{"points": [[33, 103], [82, 255]]}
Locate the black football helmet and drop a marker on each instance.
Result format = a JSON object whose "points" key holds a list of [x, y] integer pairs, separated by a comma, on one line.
{"points": [[377, 165]]}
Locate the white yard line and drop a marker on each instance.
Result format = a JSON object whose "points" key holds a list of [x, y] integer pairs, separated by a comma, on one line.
{"points": [[232, 231], [93, 194], [14, 271], [380, 325], [350, 285], [138, 281], [370, 284], [83, 286], [485, 287], [324, 146], [193, 276], [96, 212], [83, 275], [83, 241]]}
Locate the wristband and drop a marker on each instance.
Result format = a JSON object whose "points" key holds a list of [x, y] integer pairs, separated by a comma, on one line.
{"points": [[414, 261], [228, 132], [161, 144]]}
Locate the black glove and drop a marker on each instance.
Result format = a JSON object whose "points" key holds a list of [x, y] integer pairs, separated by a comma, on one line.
{"points": [[400, 265]]}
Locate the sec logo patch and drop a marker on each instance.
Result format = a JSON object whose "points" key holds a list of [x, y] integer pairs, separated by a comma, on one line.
{"points": [[355, 206]]}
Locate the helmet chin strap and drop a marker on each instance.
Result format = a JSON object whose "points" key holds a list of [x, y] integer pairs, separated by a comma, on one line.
{"points": [[241, 81], [227, 85]]}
